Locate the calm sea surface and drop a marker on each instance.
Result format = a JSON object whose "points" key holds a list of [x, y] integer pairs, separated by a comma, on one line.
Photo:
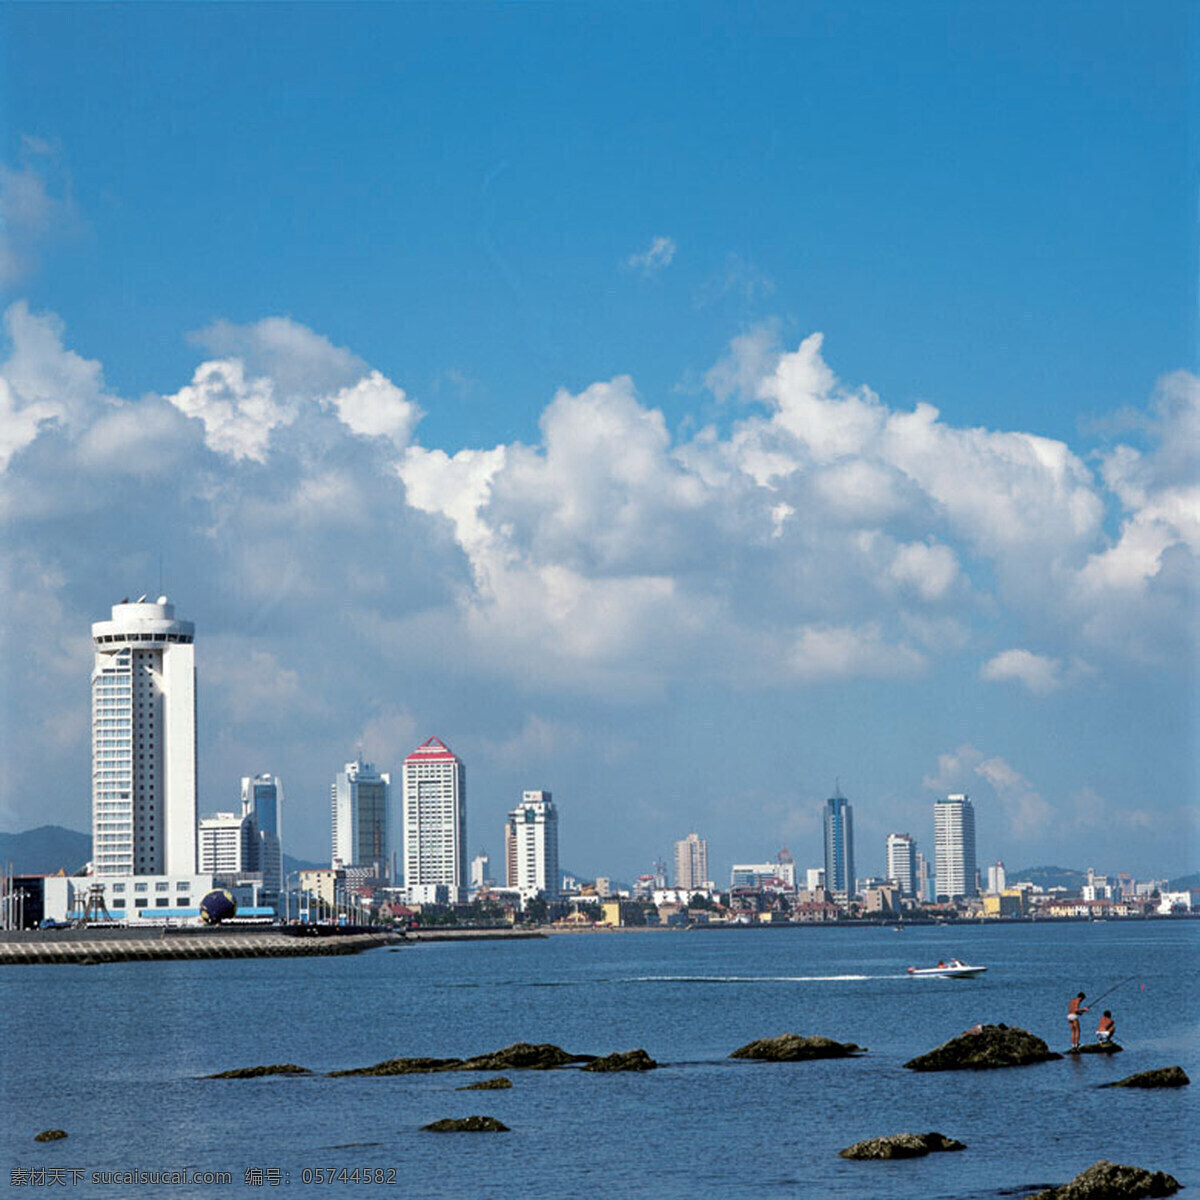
{"points": [[112, 1054]]}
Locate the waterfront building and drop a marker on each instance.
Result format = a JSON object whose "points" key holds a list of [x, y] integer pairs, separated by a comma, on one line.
{"points": [[839, 846], [814, 877], [997, 878], [262, 798], [360, 799], [531, 846], [779, 875], [144, 819], [435, 818], [902, 862], [954, 845], [691, 862], [228, 844]]}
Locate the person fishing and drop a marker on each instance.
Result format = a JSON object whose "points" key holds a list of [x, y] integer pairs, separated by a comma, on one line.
{"points": [[1075, 1009], [1106, 1028]]}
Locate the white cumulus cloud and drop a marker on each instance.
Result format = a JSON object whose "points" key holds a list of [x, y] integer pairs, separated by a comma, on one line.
{"points": [[1036, 672], [656, 257]]}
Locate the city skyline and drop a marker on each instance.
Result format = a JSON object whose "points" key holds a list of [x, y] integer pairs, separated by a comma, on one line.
{"points": [[675, 433]]}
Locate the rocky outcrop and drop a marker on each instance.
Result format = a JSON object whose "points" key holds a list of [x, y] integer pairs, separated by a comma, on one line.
{"points": [[521, 1056], [1161, 1077], [623, 1060], [256, 1072], [1112, 1181], [902, 1145], [50, 1135], [1096, 1048], [486, 1085], [467, 1125], [791, 1047], [983, 1048]]}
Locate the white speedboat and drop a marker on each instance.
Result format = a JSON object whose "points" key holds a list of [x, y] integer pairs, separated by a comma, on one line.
{"points": [[949, 970]]}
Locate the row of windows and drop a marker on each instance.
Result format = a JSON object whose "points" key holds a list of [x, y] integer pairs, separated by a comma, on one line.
{"points": [[184, 639]]}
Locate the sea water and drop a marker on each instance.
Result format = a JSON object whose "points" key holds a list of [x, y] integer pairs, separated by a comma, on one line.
{"points": [[115, 1054]]}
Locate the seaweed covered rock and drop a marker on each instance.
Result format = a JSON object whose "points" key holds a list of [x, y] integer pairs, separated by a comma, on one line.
{"points": [[257, 1072], [404, 1066], [522, 1056], [1160, 1077], [50, 1135], [1096, 1048], [1112, 1181], [623, 1060], [791, 1047], [486, 1085], [902, 1145], [983, 1048], [467, 1125]]}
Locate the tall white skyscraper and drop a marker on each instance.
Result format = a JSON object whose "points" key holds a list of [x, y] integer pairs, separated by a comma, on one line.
{"points": [[531, 846], [435, 818], [144, 741], [691, 862], [839, 846], [902, 862], [360, 799], [262, 798], [954, 844]]}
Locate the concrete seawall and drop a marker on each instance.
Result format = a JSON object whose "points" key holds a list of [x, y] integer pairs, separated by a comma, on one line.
{"points": [[120, 945]]}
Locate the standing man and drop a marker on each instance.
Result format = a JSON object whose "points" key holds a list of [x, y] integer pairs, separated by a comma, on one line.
{"points": [[1106, 1028], [1074, 1009]]}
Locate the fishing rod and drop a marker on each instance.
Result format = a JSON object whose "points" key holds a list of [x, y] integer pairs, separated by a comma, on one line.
{"points": [[1111, 990]]}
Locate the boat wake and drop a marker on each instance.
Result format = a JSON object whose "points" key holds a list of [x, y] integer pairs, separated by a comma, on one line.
{"points": [[754, 978]]}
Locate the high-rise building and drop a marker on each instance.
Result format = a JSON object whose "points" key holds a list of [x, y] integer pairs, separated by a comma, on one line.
{"points": [[839, 846], [481, 871], [954, 845], [997, 878], [262, 797], [144, 741], [531, 845], [924, 880], [902, 862], [691, 862], [228, 844], [360, 799], [435, 818]]}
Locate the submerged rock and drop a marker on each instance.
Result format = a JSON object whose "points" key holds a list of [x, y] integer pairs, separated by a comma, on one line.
{"points": [[50, 1135], [467, 1125], [791, 1047], [1097, 1048], [902, 1145], [623, 1060], [255, 1072], [1160, 1077], [983, 1048], [404, 1066], [1112, 1181], [522, 1056], [486, 1085]]}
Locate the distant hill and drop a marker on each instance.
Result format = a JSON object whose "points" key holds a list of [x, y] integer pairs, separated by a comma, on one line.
{"points": [[45, 850], [51, 848], [1185, 882], [1050, 877]]}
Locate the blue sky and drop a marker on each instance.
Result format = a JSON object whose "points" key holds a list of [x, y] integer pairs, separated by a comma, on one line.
{"points": [[560, 380]]}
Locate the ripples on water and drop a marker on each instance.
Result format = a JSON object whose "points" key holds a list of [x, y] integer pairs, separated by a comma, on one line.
{"points": [[112, 1053]]}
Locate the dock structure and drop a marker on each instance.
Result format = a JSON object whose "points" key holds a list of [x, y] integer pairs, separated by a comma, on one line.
{"points": [[91, 946]]}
